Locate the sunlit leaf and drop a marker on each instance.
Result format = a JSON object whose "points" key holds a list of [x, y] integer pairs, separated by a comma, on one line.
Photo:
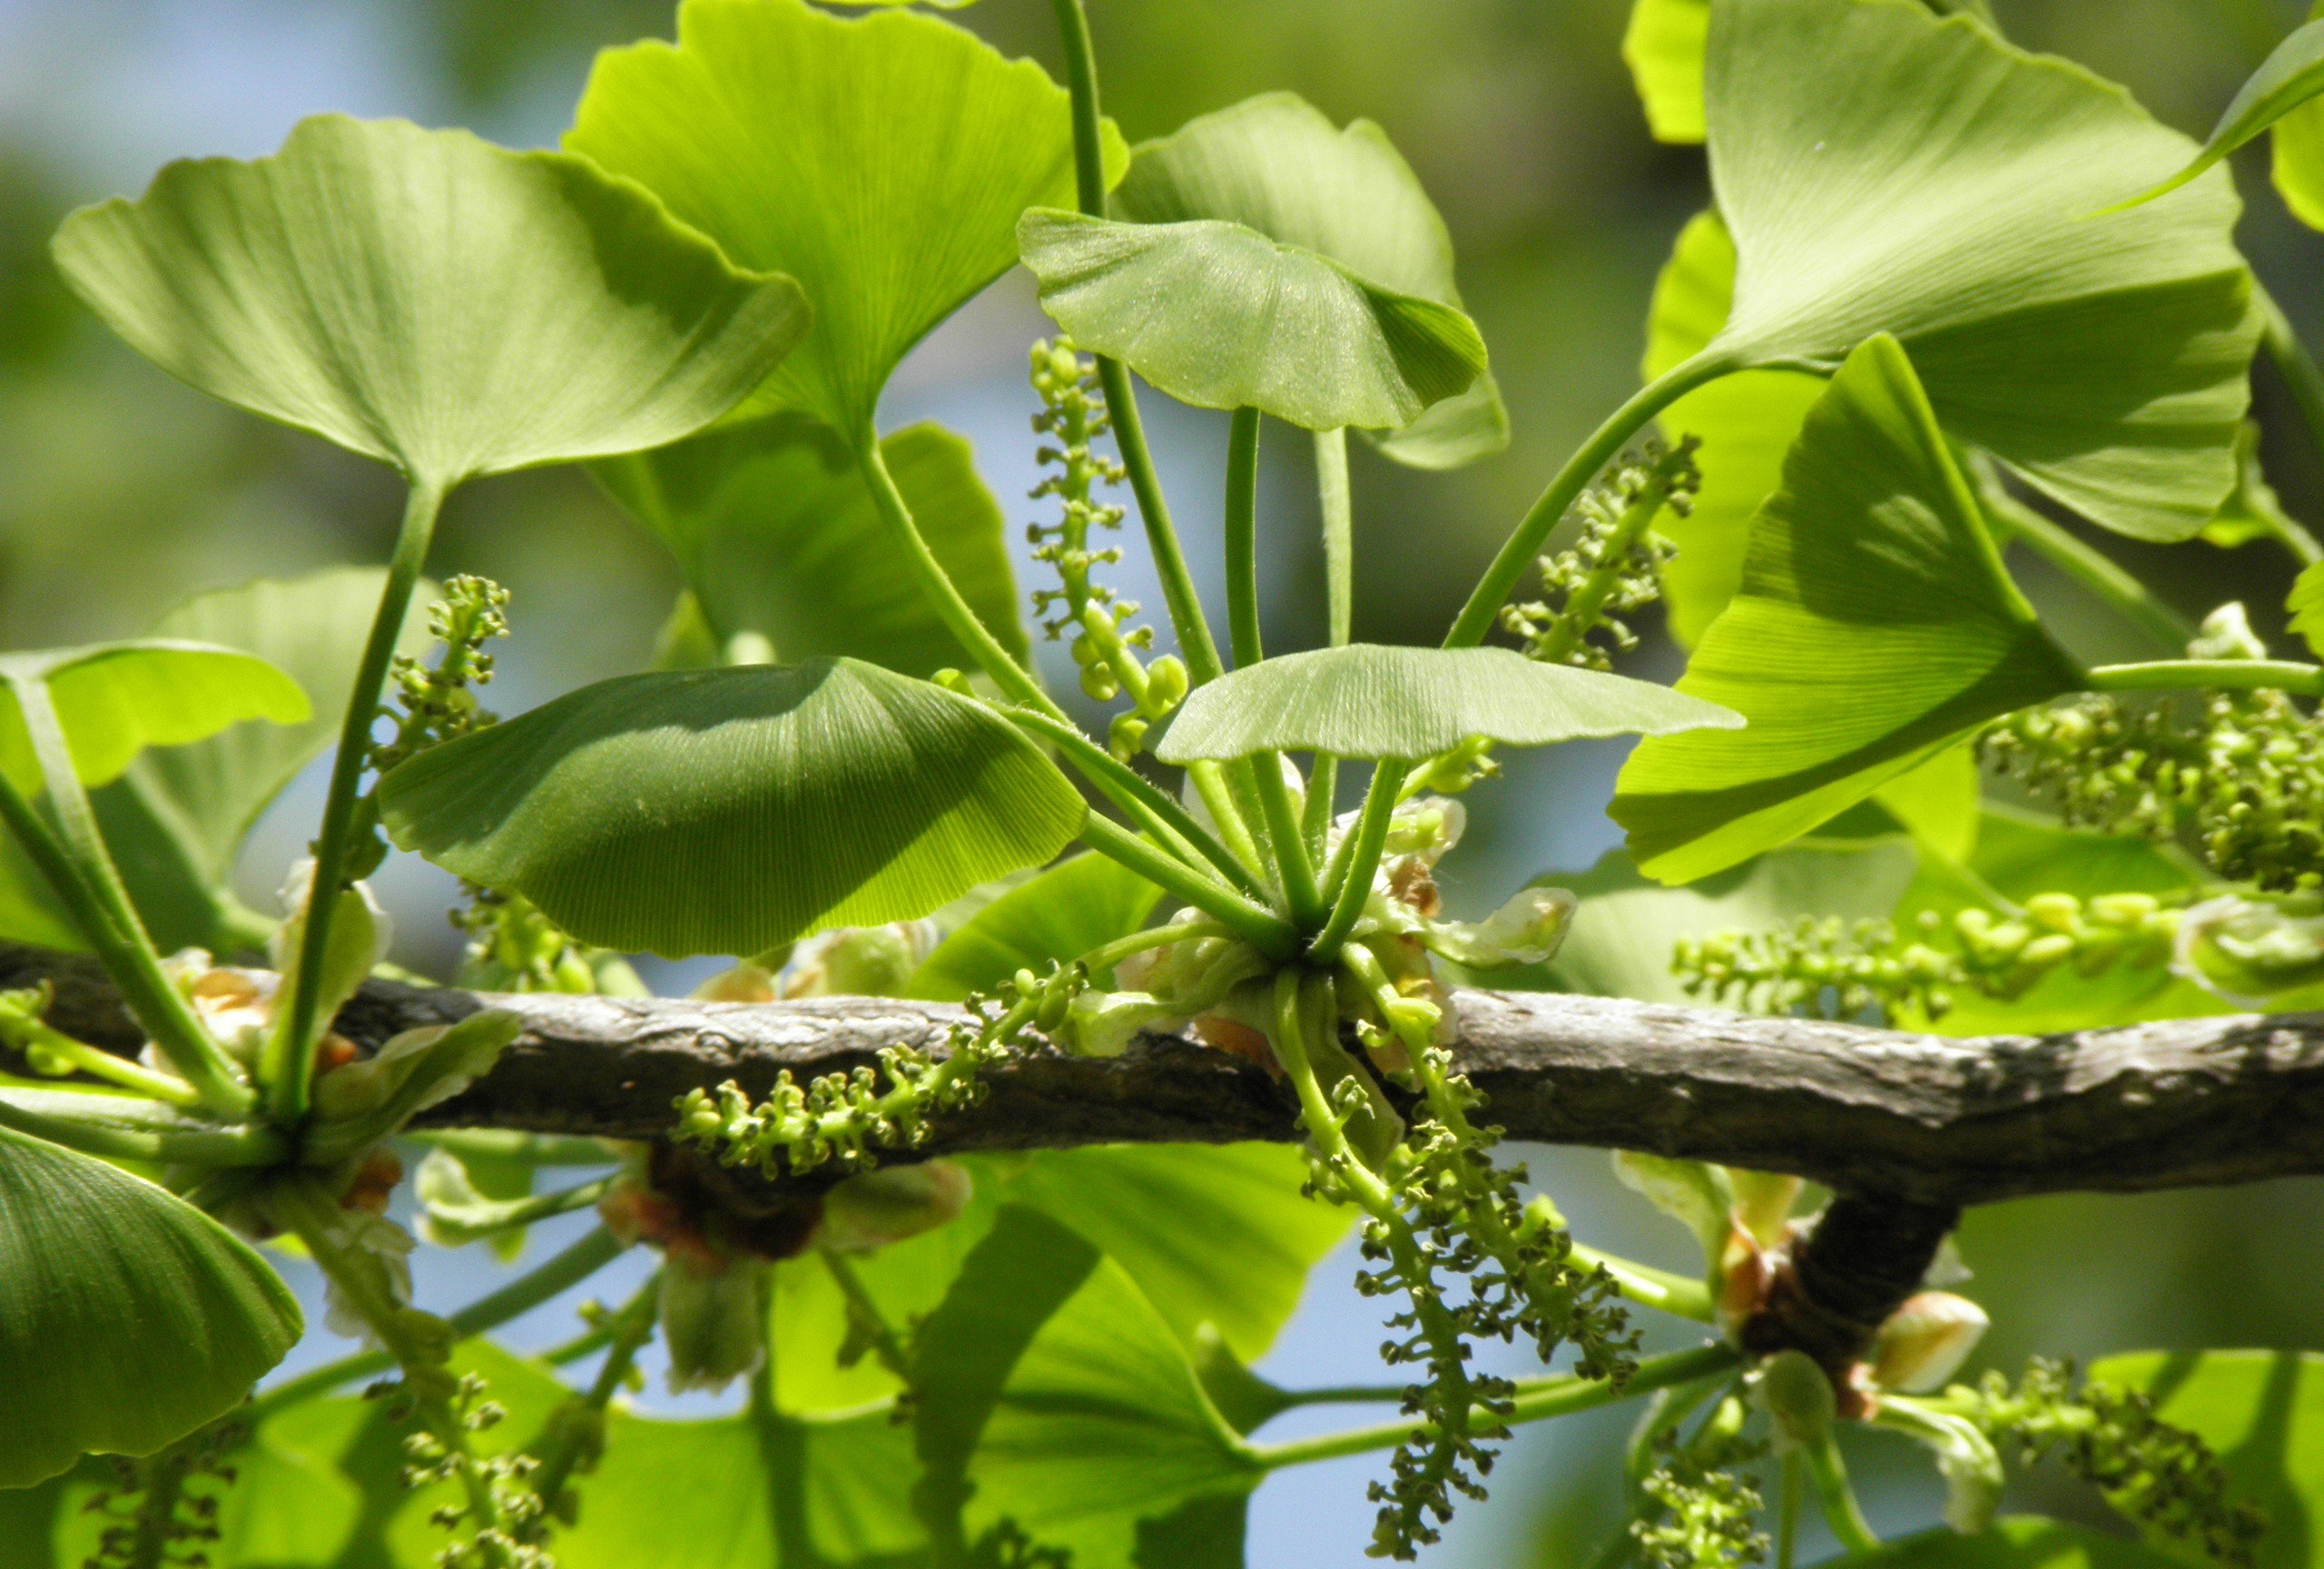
{"points": [[115, 699], [1663, 47], [1625, 926], [2262, 1413], [774, 529], [429, 300], [128, 1318], [1938, 802], [1369, 700], [2306, 603], [1048, 1386], [1745, 423], [2297, 165], [2023, 1542], [726, 810], [1875, 629], [1276, 164], [1220, 316], [882, 161], [1056, 918], [1885, 171], [2291, 75]]}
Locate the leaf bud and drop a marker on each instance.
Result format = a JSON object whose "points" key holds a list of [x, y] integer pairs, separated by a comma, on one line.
{"points": [[890, 1203], [1165, 683], [1799, 1398], [1924, 1342]]}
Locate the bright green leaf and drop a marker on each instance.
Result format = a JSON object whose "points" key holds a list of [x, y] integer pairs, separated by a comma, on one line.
{"points": [[1663, 47], [1220, 316], [776, 533], [2262, 1413], [1368, 700], [1745, 423], [727, 811], [1875, 626], [115, 699], [1625, 926], [2298, 148], [2306, 603], [882, 161], [1883, 170], [1057, 917], [1938, 802], [2023, 1542], [2292, 74], [429, 300], [1276, 164], [128, 1318], [1047, 1385]]}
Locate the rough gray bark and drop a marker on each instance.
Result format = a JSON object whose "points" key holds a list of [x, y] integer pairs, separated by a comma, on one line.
{"points": [[1916, 1119]]}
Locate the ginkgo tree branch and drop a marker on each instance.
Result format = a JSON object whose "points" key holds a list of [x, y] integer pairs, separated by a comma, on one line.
{"points": [[1913, 1118]]}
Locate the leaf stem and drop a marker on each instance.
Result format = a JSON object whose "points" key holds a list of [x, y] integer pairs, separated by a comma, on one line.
{"points": [[885, 1345], [2306, 382], [124, 1128], [629, 1330], [1830, 1475], [73, 859], [287, 1070], [1349, 879], [1650, 1287], [1242, 536], [557, 1274], [2207, 675], [1787, 1501], [30, 1034], [1100, 960], [2095, 571], [1262, 928], [943, 595], [1478, 617], [1535, 1400]]}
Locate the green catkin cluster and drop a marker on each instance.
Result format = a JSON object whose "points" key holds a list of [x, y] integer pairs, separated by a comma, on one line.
{"points": [[1083, 612], [842, 1120], [1698, 1512], [1830, 969], [1006, 1546], [162, 1511], [499, 1514], [2245, 779], [439, 702], [2163, 1477], [513, 947], [1615, 568]]}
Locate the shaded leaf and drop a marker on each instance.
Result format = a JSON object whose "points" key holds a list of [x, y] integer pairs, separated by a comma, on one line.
{"points": [[2251, 510], [882, 161], [128, 1318], [2023, 1542], [2306, 603], [1663, 47], [114, 700], [2262, 1413], [2291, 75], [1938, 802], [1875, 629], [1073, 907], [1220, 316], [1883, 170], [776, 533], [1370, 700], [1276, 164], [727, 811], [431, 301], [2297, 164]]}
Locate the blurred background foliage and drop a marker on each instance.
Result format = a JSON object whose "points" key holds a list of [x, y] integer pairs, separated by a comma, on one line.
{"points": [[121, 493]]}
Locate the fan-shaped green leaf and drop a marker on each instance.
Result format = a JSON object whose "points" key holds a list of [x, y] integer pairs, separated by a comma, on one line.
{"points": [[2023, 1542], [115, 699], [1219, 316], [2262, 1413], [2297, 164], [727, 811], [1746, 422], [776, 533], [1047, 1385], [1276, 164], [882, 161], [2291, 75], [1875, 627], [1367, 700], [1663, 46], [1071, 908], [1885, 171], [128, 1318], [429, 300]]}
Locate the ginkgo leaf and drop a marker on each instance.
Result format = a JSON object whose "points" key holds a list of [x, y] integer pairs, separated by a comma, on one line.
{"points": [[114, 700], [727, 811], [776, 533], [2306, 603], [1663, 47], [1056, 918], [128, 1318], [2291, 75], [1884, 171], [1278, 164], [1367, 700], [1744, 422], [1875, 627], [1220, 316], [431, 301], [882, 161], [2297, 152]]}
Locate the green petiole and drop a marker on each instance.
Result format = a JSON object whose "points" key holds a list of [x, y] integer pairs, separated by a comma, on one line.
{"points": [[1262, 928], [1348, 880], [2207, 675], [124, 1128], [1651, 1287]]}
